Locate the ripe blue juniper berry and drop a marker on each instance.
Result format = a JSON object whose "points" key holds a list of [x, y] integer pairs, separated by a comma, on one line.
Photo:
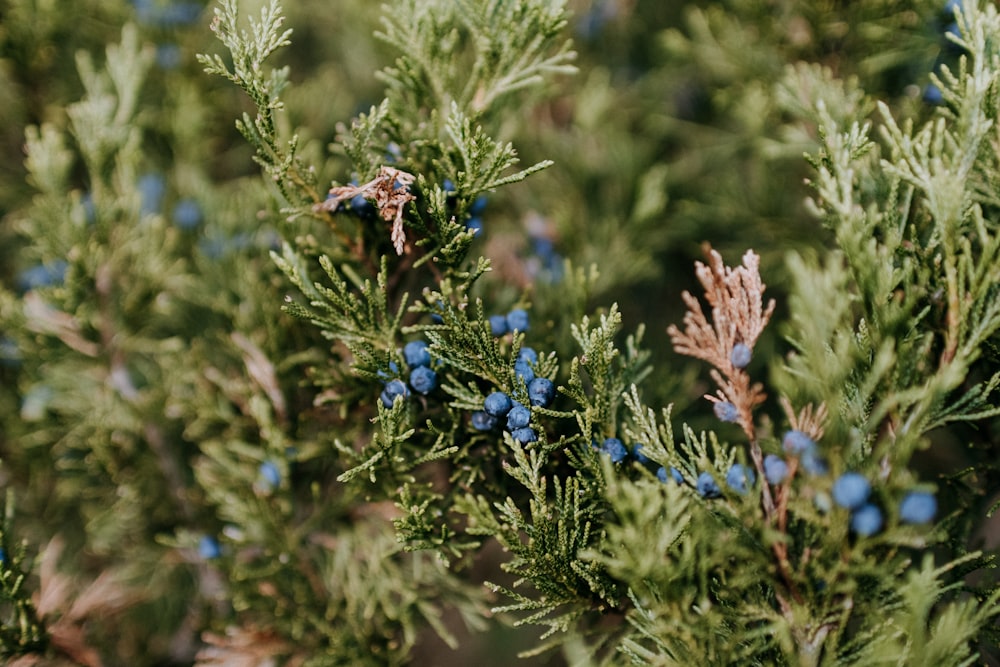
{"points": [[518, 417], [614, 448], [393, 389], [726, 411], [866, 520], [524, 372], [541, 392], [270, 475], [517, 320], [187, 214], [497, 404], [423, 379], [527, 355], [416, 354], [498, 325], [675, 474], [208, 547], [918, 507], [525, 435], [812, 462], [740, 477], [851, 490], [775, 469], [740, 356], [796, 442], [706, 486], [482, 421], [638, 455]]}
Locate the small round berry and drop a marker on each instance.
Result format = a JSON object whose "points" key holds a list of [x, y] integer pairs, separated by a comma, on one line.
{"points": [[527, 355], [393, 372], [3, 557], [812, 462], [478, 206], [740, 477], [661, 474], [796, 442], [448, 186], [393, 390], [187, 214], [498, 325], [740, 355], [639, 456], [676, 474], [918, 507], [523, 371], [151, 188], [517, 320], [417, 354], [497, 404], [269, 474], [866, 520], [726, 411], [775, 469], [423, 380], [518, 417], [525, 435], [707, 486], [481, 421], [474, 223], [208, 547], [614, 448], [541, 391], [851, 490]]}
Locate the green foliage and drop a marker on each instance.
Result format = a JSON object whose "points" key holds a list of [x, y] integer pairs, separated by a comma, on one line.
{"points": [[206, 393]]}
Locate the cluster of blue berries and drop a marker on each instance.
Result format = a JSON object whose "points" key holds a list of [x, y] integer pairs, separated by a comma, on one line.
{"points": [[515, 320], [499, 408], [852, 491], [169, 15], [423, 379], [796, 443]]}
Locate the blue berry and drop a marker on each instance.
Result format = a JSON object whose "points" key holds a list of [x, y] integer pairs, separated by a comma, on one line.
{"points": [[707, 486], [676, 474], [523, 371], [393, 372], [525, 435], [812, 462], [498, 325], [775, 469], [726, 411], [739, 477], [527, 355], [3, 557], [740, 356], [423, 380], [151, 188], [517, 319], [639, 456], [851, 490], [541, 392], [42, 275], [661, 474], [481, 421], [208, 547], [478, 206], [918, 507], [393, 389], [475, 224], [168, 56], [518, 417], [497, 404], [269, 474], [614, 448], [187, 214], [933, 94], [796, 442], [416, 354], [866, 520]]}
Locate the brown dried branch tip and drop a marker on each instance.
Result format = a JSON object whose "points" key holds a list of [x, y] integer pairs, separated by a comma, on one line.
{"points": [[390, 191], [738, 318]]}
